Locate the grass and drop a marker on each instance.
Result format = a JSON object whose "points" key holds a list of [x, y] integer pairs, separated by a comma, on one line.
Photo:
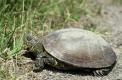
{"points": [[19, 17], [120, 1], [33, 16]]}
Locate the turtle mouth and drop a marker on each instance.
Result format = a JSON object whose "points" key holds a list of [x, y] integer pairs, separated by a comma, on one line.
{"points": [[26, 47], [29, 54]]}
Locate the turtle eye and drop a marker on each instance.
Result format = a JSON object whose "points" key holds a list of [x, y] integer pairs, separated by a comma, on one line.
{"points": [[29, 38]]}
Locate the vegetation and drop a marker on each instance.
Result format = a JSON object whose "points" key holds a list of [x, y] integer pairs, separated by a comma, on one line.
{"points": [[19, 17]]}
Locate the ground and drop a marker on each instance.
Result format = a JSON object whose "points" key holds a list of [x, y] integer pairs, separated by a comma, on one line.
{"points": [[108, 24]]}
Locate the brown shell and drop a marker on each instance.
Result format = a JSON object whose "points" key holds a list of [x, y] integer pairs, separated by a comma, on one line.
{"points": [[80, 48]]}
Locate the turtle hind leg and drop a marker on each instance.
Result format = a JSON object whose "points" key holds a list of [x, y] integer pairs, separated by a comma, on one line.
{"points": [[101, 72], [104, 71]]}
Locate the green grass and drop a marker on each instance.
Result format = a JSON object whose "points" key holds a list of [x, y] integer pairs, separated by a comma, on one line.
{"points": [[18, 17], [120, 1]]}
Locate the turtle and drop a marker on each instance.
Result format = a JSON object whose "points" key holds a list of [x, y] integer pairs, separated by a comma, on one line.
{"points": [[71, 49]]}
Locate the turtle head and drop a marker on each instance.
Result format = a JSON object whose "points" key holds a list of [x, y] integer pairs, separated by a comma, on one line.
{"points": [[32, 44]]}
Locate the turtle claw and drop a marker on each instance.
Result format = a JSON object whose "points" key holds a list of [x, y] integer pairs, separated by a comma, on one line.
{"points": [[37, 69], [101, 72]]}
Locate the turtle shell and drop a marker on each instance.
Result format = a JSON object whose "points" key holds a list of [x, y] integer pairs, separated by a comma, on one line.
{"points": [[79, 48]]}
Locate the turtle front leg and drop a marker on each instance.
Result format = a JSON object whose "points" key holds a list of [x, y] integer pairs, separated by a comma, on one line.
{"points": [[39, 65]]}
